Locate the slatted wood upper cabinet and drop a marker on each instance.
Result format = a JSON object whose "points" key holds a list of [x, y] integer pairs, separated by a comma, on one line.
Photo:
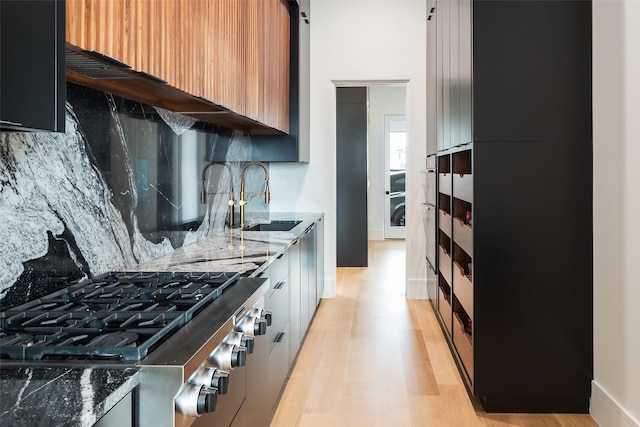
{"points": [[234, 53]]}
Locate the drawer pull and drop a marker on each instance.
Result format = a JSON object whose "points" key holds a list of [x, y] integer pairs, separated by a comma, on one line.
{"points": [[279, 337], [279, 285]]}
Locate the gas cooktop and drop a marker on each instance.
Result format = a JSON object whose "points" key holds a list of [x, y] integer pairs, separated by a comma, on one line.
{"points": [[115, 316]]}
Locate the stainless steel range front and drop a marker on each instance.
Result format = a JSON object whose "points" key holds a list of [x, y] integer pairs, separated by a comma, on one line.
{"points": [[188, 333], [199, 374]]}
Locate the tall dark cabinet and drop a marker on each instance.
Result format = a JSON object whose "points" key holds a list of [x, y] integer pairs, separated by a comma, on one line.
{"points": [[32, 65], [514, 197]]}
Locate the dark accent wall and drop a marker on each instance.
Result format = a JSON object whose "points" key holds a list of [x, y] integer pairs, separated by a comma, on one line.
{"points": [[351, 176]]}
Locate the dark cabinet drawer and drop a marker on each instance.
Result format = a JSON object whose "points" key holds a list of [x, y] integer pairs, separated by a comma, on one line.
{"points": [[277, 300], [278, 304], [278, 365]]}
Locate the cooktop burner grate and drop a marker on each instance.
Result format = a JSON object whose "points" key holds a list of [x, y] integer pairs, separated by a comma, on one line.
{"points": [[121, 315]]}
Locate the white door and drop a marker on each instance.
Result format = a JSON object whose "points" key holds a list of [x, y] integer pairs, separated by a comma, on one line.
{"points": [[395, 129]]}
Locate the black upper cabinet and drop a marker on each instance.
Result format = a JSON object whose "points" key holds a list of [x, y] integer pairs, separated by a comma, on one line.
{"points": [[32, 65], [532, 71]]}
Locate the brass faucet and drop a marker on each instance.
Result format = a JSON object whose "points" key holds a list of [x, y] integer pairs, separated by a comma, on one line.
{"points": [[204, 192], [267, 195]]}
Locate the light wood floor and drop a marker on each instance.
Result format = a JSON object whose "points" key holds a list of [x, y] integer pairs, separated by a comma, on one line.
{"points": [[373, 358]]}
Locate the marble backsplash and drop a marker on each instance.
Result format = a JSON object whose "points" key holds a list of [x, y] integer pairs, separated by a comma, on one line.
{"points": [[121, 186]]}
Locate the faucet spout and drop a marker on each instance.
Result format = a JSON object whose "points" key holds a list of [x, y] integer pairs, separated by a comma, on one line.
{"points": [[267, 193], [204, 192]]}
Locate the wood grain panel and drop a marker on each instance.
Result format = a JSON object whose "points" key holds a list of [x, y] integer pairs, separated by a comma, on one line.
{"points": [[270, 62], [275, 65], [100, 25], [254, 30], [194, 49], [234, 53], [215, 52]]}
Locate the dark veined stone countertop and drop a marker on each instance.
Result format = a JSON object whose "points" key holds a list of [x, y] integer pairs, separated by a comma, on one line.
{"points": [[73, 395]]}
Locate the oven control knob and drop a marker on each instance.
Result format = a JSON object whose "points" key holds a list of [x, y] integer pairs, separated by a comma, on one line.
{"points": [[228, 356], [238, 356], [261, 314], [259, 327], [206, 400], [241, 339], [247, 342], [267, 317], [212, 377], [220, 381], [251, 326], [194, 400]]}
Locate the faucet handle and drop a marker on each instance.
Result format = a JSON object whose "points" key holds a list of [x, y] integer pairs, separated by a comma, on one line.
{"points": [[203, 195]]}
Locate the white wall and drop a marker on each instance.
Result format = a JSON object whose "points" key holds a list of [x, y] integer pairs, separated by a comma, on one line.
{"points": [[383, 100], [359, 40], [616, 200]]}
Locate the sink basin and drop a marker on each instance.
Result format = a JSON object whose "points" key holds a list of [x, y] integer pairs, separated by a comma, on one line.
{"points": [[273, 226]]}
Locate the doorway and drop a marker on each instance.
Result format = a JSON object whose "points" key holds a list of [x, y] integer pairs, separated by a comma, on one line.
{"points": [[368, 200], [388, 138]]}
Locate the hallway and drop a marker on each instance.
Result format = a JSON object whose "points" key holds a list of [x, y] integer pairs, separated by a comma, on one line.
{"points": [[372, 358]]}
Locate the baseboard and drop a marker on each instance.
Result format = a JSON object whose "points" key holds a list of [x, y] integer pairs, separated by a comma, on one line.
{"points": [[375, 234], [329, 287], [606, 411], [417, 289]]}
